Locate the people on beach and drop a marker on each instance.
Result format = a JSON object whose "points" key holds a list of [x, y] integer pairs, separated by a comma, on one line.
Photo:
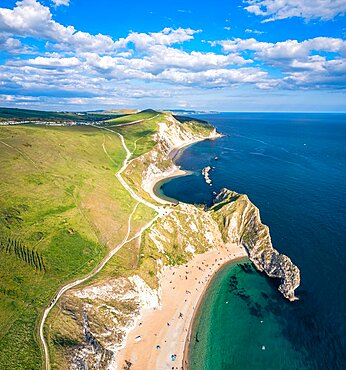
{"points": [[196, 276]]}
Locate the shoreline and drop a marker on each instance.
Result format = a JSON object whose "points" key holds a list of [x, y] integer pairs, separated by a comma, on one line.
{"points": [[151, 188], [185, 362], [176, 171], [155, 323], [162, 332]]}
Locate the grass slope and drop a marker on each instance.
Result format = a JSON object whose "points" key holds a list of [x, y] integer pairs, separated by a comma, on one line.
{"points": [[140, 116], [59, 198]]}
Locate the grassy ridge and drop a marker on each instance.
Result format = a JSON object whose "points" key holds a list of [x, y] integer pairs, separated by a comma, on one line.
{"points": [[197, 126], [140, 116]]}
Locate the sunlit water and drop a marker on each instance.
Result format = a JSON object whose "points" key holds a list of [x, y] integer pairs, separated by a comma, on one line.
{"points": [[293, 167]]}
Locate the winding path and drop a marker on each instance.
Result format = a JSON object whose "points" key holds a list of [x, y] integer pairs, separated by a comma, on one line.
{"points": [[160, 212], [122, 169]]}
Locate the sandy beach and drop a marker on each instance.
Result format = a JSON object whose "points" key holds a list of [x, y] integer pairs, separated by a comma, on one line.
{"points": [[159, 339], [151, 186], [162, 333]]}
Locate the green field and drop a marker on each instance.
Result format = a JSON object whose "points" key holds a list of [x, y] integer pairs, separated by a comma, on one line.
{"points": [[61, 209]]}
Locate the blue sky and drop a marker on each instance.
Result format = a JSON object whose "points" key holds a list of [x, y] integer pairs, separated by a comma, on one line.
{"points": [[251, 55]]}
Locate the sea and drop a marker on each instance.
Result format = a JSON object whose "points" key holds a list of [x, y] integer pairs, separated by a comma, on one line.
{"points": [[293, 168]]}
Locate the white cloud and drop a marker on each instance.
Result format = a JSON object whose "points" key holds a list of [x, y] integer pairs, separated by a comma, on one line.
{"points": [[83, 41], [162, 57], [97, 69], [289, 49], [10, 44], [214, 77], [139, 56], [307, 9], [53, 62], [320, 73], [168, 36], [30, 18], [304, 64], [61, 2]]}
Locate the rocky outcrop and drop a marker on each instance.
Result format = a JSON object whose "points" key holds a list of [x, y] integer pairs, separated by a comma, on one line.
{"points": [[205, 173], [98, 318], [232, 219], [239, 221]]}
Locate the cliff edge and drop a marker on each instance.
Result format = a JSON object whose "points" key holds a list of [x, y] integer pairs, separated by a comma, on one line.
{"points": [[237, 217], [239, 221]]}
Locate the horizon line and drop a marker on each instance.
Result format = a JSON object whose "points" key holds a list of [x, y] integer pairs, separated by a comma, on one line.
{"points": [[201, 111]]}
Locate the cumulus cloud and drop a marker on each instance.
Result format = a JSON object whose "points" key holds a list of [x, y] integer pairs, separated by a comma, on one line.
{"points": [[319, 74], [138, 56], [308, 9], [214, 77], [53, 62], [288, 49], [10, 44], [30, 18], [168, 36], [317, 62], [162, 57]]}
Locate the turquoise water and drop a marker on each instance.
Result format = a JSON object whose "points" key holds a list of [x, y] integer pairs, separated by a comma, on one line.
{"points": [[293, 167], [237, 326]]}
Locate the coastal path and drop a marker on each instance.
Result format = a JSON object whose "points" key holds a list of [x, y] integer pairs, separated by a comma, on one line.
{"points": [[161, 211]]}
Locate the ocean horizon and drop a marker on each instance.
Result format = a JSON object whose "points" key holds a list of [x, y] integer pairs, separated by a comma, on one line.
{"points": [[292, 166]]}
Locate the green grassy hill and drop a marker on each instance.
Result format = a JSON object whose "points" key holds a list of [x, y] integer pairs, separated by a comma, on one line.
{"points": [[140, 116]]}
